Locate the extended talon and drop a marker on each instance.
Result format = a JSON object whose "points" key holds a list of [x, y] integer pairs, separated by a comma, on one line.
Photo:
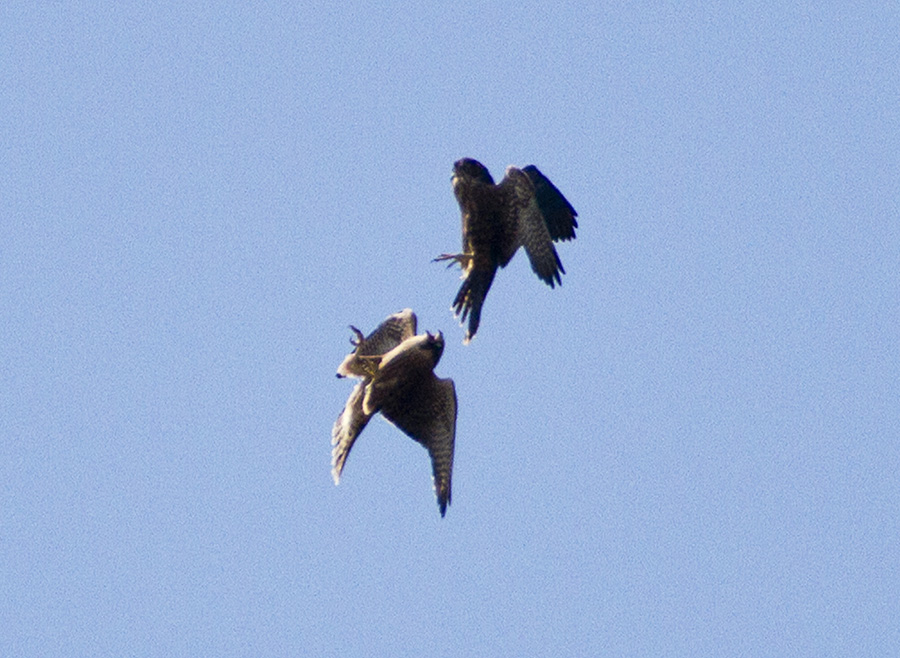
{"points": [[462, 260], [359, 337]]}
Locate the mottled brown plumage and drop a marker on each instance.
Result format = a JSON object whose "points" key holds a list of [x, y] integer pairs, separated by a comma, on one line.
{"points": [[524, 210], [397, 372]]}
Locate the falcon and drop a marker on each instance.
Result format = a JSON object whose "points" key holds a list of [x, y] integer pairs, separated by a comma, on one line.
{"points": [[396, 369], [524, 210]]}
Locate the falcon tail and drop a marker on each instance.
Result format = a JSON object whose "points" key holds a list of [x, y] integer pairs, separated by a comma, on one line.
{"points": [[470, 299], [443, 496]]}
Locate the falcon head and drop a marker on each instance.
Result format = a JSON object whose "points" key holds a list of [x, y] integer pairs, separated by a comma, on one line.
{"points": [[434, 343], [468, 170]]}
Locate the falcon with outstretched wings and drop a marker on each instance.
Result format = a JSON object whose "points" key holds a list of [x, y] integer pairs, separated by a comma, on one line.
{"points": [[396, 367], [524, 210]]}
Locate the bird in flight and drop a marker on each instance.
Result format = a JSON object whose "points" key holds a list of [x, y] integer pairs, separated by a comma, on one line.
{"points": [[396, 369], [524, 210]]}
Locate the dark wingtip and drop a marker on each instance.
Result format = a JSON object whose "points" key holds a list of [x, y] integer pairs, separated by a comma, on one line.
{"points": [[558, 275], [558, 212]]}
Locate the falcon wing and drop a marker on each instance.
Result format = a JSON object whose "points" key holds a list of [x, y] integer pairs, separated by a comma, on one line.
{"points": [[532, 230], [388, 335], [400, 371], [541, 215], [429, 417], [559, 215], [409, 395], [348, 426]]}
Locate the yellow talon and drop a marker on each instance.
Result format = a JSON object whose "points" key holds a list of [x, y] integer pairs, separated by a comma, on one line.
{"points": [[369, 363]]}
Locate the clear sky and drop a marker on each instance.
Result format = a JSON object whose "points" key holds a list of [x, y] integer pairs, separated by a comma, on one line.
{"points": [[690, 448]]}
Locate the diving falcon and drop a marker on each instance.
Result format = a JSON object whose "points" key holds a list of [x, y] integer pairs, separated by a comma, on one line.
{"points": [[524, 210], [396, 369]]}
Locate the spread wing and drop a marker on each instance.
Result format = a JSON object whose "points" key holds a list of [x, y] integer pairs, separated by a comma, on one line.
{"points": [[353, 419], [388, 335], [542, 216], [347, 428], [559, 215], [409, 395], [429, 417]]}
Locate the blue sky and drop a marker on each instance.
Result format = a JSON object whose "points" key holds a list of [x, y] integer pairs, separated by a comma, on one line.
{"points": [[689, 448]]}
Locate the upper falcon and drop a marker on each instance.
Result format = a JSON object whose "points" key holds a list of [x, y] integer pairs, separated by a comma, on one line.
{"points": [[524, 210]]}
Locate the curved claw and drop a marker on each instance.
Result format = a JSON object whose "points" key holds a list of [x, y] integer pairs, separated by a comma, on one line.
{"points": [[462, 260], [357, 341]]}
